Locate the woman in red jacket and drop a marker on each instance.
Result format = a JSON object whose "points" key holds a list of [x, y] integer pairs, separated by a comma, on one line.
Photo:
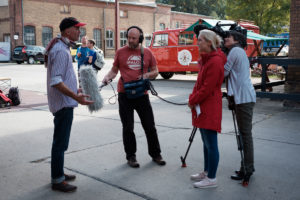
{"points": [[206, 104]]}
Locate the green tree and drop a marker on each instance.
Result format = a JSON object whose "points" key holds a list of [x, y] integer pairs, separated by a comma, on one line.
{"points": [[214, 8], [270, 15]]}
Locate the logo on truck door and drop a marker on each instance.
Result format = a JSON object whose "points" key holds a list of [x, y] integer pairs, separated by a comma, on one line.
{"points": [[184, 57]]}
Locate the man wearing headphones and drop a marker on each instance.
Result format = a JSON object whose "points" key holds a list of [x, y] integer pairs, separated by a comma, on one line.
{"points": [[128, 62]]}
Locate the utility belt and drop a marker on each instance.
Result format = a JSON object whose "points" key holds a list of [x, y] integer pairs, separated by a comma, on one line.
{"points": [[135, 89]]}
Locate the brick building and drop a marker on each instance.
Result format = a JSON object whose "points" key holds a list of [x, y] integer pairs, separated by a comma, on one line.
{"points": [[4, 22], [293, 77], [36, 21]]}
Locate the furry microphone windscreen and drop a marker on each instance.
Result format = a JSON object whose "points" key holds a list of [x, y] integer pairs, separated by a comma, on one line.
{"points": [[89, 84]]}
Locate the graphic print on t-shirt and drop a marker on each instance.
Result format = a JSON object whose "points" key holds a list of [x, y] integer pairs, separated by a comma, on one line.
{"points": [[134, 62]]}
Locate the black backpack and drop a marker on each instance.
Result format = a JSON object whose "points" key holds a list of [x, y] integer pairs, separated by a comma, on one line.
{"points": [[13, 94]]}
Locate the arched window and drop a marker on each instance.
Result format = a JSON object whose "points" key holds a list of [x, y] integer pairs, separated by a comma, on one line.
{"points": [[47, 35], [97, 37], [29, 35]]}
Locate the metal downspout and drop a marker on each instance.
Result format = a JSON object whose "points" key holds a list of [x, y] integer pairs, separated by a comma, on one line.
{"points": [[22, 23], [104, 30], [154, 19]]}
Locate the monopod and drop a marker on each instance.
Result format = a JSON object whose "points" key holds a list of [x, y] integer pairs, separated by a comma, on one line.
{"points": [[188, 149]]}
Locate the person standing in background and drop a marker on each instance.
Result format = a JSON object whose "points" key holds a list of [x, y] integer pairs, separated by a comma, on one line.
{"points": [[81, 55]]}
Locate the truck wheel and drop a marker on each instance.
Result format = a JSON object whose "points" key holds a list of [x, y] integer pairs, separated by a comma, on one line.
{"points": [[166, 75]]}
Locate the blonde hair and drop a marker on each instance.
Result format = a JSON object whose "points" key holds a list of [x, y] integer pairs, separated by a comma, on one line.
{"points": [[211, 36]]}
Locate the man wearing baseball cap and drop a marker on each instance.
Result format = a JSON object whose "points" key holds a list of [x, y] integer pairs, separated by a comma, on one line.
{"points": [[63, 96]]}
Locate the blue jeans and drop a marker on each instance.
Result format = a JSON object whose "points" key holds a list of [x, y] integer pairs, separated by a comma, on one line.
{"points": [[211, 151], [62, 129]]}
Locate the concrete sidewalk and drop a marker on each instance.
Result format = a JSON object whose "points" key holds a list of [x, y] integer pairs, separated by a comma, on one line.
{"points": [[97, 157]]}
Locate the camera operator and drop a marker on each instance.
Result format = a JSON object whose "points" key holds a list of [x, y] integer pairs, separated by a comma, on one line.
{"points": [[242, 97]]}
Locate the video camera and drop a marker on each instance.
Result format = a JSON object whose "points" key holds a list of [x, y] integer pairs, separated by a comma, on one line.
{"points": [[218, 29], [223, 34]]}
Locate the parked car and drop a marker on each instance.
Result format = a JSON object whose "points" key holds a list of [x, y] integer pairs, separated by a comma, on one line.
{"points": [[74, 50], [29, 54]]}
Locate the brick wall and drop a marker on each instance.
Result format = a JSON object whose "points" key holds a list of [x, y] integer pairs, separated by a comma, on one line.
{"points": [[39, 13], [15, 13], [293, 76], [185, 19], [4, 22], [47, 13]]}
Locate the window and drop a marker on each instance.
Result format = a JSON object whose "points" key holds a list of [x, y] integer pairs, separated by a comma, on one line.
{"points": [[39, 49], [177, 24], [6, 37], [31, 48], [82, 33], [148, 40], [160, 40], [29, 35], [97, 38], [65, 9], [186, 39], [109, 39], [123, 13], [123, 38], [47, 35], [162, 26]]}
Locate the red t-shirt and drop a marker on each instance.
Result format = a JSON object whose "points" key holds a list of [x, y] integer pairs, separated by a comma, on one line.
{"points": [[128, 62]]}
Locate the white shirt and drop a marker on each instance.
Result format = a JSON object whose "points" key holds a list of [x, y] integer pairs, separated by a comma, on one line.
{"points": [[238, 72]]}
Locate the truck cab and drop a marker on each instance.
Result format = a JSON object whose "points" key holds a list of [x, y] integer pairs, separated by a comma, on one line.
{"points": [[176, 51]]}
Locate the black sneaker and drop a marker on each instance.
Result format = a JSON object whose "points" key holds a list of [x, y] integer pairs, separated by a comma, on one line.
{"points": [[63, 187], [159, 160], [133, 163]]}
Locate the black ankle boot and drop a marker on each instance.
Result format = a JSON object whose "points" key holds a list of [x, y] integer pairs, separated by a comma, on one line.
{"points": [[247, 177], [239, 175]]}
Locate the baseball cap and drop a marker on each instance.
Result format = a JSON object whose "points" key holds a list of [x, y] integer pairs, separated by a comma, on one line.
{"points": [[69, 22]]}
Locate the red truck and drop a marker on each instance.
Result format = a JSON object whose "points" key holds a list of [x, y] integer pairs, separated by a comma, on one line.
{"points": [[176, 50]]}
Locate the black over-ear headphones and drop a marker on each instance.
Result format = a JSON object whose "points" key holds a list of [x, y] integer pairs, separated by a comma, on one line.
{"points": [[141, 38]]}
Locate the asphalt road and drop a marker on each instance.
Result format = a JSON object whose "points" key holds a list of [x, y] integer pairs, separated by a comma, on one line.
{"points": [[97, 157]]}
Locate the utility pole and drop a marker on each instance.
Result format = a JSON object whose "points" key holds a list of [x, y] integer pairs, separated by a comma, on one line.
{"points": [[117, 32]]}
